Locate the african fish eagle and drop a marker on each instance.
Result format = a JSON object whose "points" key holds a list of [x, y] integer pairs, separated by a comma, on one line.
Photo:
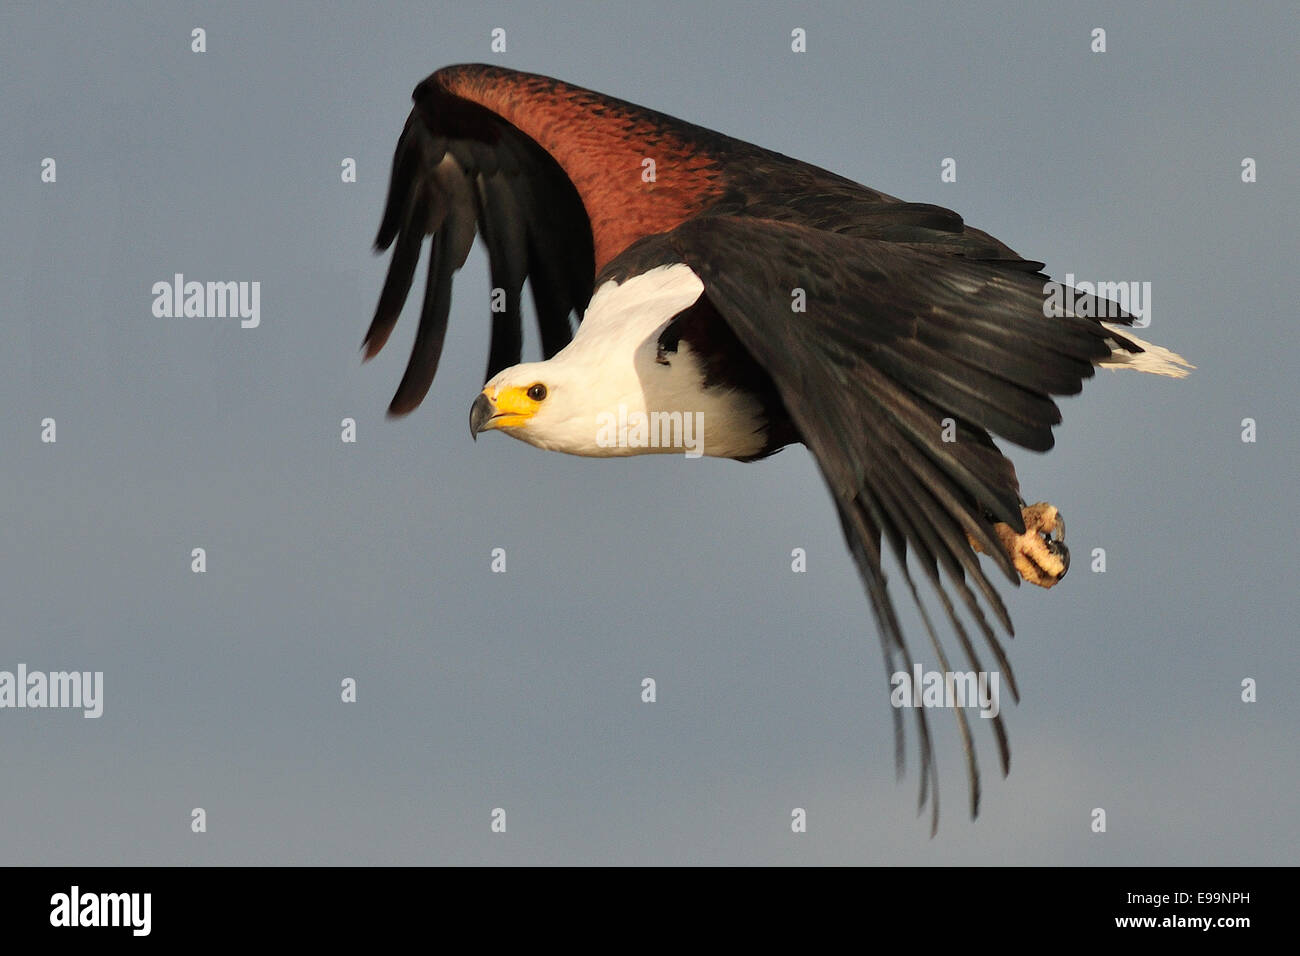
{"points": [[916, 341]]}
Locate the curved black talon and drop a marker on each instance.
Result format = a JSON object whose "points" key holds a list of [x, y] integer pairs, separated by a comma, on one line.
{"points": [[1058, 549]]}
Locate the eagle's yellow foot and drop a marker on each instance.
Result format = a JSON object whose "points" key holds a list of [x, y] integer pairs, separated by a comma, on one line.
{"points": [[1040, 554]]}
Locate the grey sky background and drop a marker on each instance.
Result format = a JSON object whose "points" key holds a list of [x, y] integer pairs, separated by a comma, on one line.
{"points": [[521, 691]]}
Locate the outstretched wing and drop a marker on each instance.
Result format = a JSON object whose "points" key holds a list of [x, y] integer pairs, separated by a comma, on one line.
{"points": [[460, 169], [898, 345], [551, 176]]}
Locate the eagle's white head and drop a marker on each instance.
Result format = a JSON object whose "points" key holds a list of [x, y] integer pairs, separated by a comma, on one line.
{"points": [[609, 394], [543, 403]]}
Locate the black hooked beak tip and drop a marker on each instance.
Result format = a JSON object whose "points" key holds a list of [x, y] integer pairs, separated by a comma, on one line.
{"points": [[479, 413]]}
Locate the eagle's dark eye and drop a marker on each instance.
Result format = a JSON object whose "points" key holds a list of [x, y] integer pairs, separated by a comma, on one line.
{"points": [[537, 392]]}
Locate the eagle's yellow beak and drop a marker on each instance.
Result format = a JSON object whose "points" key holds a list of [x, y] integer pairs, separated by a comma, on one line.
{"points": [[508, 407]]}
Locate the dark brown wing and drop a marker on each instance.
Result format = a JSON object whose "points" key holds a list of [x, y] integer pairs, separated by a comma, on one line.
{"points": [[553, 177], [896, 340], [461, 169]]}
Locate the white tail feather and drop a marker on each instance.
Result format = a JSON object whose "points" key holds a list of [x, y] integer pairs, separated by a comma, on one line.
{"points": [[1154, 359]]}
